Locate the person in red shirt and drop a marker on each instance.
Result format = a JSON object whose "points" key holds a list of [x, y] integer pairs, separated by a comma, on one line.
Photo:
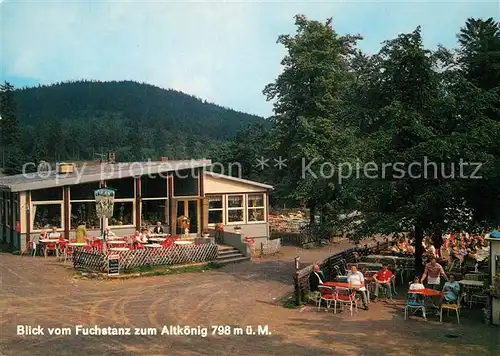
{"points": [[383, 279]]}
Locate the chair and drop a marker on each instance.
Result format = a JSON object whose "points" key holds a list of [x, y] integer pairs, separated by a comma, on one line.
{"points": [[327, 294], [30, 246], [415, 301], [51, 246], [345, 296], [448, 307]]}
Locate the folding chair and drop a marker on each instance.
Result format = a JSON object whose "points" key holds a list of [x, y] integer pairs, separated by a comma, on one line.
{"points": [[345, 296], [454, 306], [327, 294], [415, 301]]}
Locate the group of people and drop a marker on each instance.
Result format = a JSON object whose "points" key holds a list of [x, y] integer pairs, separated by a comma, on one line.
{"points": [[383, 279], [402, 246], [356, 281]]}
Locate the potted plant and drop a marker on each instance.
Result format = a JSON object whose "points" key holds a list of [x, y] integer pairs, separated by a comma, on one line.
{"points": [[219, 227], [495, 287]]}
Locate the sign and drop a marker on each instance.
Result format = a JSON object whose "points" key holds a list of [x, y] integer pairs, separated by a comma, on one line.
{"points": [[104, 199], [113, 264]]}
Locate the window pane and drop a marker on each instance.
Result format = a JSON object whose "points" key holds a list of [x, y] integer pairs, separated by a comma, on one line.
{"points": [[255, 200], [47, 194], [153, 211], [2, 212], [124, 188], [185, 183], [46, 216], [214, 216], [84, 212], [123, 214], [235, 215], [256, 214], [83, 191], [235, 201], [16, 211], [154, 187], [215, 202]]}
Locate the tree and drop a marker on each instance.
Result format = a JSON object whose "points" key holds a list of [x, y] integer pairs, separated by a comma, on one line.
{"points": [[10, 134], [307, 106]]}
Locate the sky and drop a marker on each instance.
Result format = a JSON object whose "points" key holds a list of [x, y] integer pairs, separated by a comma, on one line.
{"points": [[221, 51]]}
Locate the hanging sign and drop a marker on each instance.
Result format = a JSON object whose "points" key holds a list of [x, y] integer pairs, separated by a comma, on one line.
{"points": [[104, 199]]}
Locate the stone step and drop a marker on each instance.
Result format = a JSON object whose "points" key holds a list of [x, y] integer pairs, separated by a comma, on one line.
{"points": [[229, 255], [233, 260]]}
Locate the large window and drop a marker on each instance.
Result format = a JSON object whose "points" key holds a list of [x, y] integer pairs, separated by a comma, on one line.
{"points": [[123, 213], [124, 188], [83, 207], [153, 211], [49, 194], [215, 209], [256, 210], [154, 194], [84, 212], [123, 209], [235, 209], [45, 216], [186, 183], [46, 208]]}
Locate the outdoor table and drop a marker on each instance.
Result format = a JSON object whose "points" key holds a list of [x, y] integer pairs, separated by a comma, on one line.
{"points": [[74, 244], [153, 246], [389, 257], [427, 292], [157, 239], [48, 241], [158, 235], [117, 242], [346, 285], [113, 238], [183, 242]]}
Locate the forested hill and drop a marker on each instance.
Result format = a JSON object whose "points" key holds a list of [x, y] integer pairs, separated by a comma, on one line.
{"points": [[75, 120]]}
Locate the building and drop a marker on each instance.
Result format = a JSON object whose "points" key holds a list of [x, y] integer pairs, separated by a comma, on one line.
{"points": [[146, 192]]}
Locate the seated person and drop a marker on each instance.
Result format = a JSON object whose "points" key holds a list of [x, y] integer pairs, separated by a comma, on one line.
{"points": [[108, 233], [451, 290], [316, 278], [158, 229], [356, 281], [54, 234], [139, 238], [416, 285], [383, 279]]}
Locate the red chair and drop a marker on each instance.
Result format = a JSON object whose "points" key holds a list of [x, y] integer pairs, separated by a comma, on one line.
{"points": [[345, 296], [327, 294], [51, 246], [167, 243]]}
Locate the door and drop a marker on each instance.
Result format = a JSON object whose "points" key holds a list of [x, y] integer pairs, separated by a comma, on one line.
{"points": [[188, 208]]}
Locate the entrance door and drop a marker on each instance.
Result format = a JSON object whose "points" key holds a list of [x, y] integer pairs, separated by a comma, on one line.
{"points": [[188, 208]]}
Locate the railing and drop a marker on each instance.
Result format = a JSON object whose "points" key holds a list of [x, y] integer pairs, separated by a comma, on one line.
{"points": [[97, 261], [330, 267]]}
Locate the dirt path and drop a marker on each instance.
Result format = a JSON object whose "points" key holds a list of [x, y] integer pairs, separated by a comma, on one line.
{"points": [[38, 291]]}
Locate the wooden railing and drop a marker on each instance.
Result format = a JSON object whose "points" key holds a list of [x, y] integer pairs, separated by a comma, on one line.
{"points": [[331, 267]]}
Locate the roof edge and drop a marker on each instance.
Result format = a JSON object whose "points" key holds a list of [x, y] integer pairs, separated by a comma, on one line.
{"points": [[240, 180]]}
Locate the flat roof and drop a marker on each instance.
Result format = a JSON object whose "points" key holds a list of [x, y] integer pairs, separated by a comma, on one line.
{"points": [[240, 180], [95, 173]]}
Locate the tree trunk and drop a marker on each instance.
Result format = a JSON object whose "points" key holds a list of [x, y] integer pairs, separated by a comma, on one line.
{"points": [[312, 214], [419, 249], [437, 239]]}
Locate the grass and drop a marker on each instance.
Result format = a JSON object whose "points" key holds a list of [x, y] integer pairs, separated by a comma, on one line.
{"points": [[162, 270]]}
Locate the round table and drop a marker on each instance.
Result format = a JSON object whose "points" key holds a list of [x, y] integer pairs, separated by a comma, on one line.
{"points": [[181, 242], [468, 283], [74, 244], [153, 246], [157, 239], [117, 242]]}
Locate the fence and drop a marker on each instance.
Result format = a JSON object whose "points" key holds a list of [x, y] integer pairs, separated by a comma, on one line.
{"points": [[270, 247], [97, 261], [331, 267]]}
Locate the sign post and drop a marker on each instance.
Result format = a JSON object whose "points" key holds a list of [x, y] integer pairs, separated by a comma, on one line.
{"points": [[113, 265], [104, 199]]}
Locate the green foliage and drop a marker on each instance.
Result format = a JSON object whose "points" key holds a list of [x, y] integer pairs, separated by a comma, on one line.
{"points": [[12, 154], [80, 120]]}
